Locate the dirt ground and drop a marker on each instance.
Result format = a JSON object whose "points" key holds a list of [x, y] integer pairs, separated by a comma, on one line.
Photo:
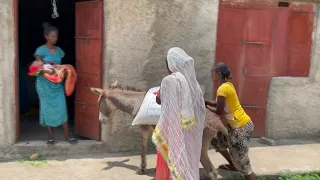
{"points": [[265, 160]]}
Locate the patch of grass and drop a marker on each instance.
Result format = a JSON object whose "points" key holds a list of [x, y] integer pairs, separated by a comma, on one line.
{"points": [[293, 176], [38, 162], [286, 176]]}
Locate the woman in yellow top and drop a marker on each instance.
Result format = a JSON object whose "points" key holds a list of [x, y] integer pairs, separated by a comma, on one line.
{"points": [[240, 126]]}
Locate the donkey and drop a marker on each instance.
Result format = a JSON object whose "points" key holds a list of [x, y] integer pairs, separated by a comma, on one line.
{"points": [[129, 100]]}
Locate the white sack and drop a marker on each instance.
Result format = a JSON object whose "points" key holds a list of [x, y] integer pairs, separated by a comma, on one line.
{"points": [[149, 112]]}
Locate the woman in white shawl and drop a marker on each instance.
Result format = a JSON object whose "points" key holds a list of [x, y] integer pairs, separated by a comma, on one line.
{"points": [[178, 134]]}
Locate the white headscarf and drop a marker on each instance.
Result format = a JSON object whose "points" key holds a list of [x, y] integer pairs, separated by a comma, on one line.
{"points": [[178, 134]]}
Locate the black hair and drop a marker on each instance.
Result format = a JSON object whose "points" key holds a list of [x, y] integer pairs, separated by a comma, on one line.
{"points": [[223, 70], [48, 28]]}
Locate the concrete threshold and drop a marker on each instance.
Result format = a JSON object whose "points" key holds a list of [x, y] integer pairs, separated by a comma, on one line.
{"points": [[23, 149]]}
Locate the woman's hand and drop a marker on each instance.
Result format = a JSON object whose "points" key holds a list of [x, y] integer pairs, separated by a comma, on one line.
{"points": [[212, 109], [158, 100], [37, 63], [48, 71], [210, 103]]}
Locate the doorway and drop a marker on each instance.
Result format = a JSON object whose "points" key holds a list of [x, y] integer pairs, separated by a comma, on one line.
{"points": [[75, 39]]}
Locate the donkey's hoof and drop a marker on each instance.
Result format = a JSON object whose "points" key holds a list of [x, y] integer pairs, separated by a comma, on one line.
{"points": [[208, 177], [141, 171], [212, 176]]}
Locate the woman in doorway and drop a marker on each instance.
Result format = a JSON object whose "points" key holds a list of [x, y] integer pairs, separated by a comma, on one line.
{"points": [[53, 106], [178, 133], [240, 126]]}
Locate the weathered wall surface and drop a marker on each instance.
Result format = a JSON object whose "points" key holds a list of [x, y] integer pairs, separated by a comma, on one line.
{"points": [[294, 103], [138, 36], [7, 123]]}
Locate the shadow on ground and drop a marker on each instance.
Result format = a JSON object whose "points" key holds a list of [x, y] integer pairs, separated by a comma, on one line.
{"points": [[122, 164], [225, 174]]}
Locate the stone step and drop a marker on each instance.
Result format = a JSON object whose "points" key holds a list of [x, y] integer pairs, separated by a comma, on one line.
{"points": [[23, 149]]}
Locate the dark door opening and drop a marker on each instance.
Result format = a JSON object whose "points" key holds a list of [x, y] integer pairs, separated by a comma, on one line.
{"points": [[80, 25], [31, 15]]}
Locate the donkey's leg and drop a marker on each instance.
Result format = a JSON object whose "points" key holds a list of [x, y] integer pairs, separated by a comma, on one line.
{"points": [[144, 130], [211, 171]]}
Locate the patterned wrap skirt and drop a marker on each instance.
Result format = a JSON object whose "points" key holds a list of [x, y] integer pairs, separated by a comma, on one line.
{"points": [[237, 142]]}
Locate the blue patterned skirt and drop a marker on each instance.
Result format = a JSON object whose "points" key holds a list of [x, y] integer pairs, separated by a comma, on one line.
{"points": [[53, 106]]}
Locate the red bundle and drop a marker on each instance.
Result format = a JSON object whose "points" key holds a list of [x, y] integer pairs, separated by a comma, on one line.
{"points": [[34, 70], [62, 72]]}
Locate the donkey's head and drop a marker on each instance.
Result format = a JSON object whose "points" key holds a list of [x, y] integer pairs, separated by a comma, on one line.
{"points": [[126, 99], [106, 107]]}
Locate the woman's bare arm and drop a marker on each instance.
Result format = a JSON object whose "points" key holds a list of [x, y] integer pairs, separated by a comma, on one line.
{"points": [[38, 62], [221, 103]]}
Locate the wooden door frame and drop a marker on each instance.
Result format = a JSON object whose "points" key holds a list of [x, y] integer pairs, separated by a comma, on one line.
{"points": [[16, 70], [103, 41], [103, 55], [15, 17]]}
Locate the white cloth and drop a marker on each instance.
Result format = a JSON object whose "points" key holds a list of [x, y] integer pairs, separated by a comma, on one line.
{"points": [[178, 134], [47, 66]]}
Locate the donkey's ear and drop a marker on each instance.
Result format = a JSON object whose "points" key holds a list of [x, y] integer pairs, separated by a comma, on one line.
{"points": [[96, 90], [114, 84]]}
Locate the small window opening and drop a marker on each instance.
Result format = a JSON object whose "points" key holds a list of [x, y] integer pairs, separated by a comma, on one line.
{"points": [[283, 4]]}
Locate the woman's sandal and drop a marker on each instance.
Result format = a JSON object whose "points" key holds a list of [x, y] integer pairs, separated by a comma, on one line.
{"points": [[51, 142], [227, 167], [72, 140]]}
